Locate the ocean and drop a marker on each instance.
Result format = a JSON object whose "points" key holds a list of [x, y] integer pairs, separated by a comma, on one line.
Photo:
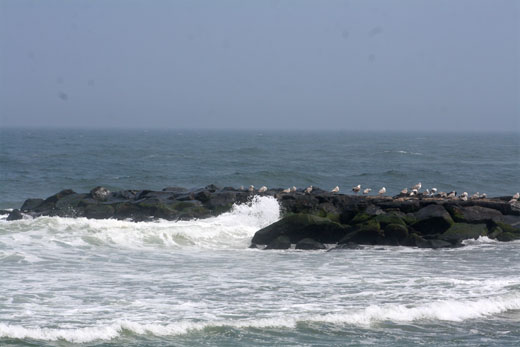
{"points": [[68, 282]]}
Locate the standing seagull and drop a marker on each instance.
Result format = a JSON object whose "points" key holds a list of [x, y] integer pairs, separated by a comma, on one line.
{"points": [[335, 190], [417, 186], [293, 189], [262, 189], [308, 190], [357, 188], [404, 191], [382, 191], [516, 196], [251, 188], [367, 190]]}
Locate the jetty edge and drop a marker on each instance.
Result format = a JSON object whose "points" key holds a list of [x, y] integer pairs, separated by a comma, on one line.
{"points": [[309, 220]]}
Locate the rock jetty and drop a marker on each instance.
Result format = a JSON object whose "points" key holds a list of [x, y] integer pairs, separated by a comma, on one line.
{"points": [[309, 220]]}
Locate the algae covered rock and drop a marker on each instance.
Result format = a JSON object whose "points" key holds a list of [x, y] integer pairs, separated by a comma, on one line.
{"points": [[395, 233], [368, 233], [301, 226], [475, 214], [463, 231]]}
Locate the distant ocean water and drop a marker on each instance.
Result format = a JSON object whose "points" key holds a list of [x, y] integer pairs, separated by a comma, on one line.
{"points": [[110, 283]]}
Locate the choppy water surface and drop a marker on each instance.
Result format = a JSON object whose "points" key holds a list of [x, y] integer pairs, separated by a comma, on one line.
{"points": [[107, 283]]}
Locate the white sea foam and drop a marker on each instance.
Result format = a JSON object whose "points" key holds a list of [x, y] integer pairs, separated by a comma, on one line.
{"points": [[454, 311], [233, 229], [481, 240]]}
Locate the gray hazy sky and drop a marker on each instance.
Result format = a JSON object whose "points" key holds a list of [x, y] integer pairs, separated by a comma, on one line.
{"points": [[370, 65]]}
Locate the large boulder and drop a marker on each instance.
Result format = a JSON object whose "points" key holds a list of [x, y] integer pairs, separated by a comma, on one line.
{"points": [[309, 243], [300, 226], [281, 242], [98, 211], [367, 233], [475, 214], [14, 215], [463, 231], [395, 233], [31, 204], [432, 219]]}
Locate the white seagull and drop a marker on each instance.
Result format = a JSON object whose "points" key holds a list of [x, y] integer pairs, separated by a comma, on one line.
{"points": [[367, 190], [434, 190], [417, 186], [357, 188], [308, 190], [516, 196], [335, 190], [262, 189], [404, 191], [288, 190], [382, 191], [293, 189], [452, 194], [251, 188]]}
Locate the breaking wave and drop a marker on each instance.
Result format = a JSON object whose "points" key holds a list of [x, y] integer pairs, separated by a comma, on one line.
{"points": [[454, 311]]}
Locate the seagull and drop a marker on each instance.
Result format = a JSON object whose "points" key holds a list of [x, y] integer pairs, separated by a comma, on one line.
{"points": [[417, 186], [404, 191], [288, 190], [357, 188], [367, 190], [426, 192], [293, 189], [464, 195], [382, 191], [476, 195], [251, 188], [483, 195], [452, 194], [414, 192], [242, 188], [512, 201], [464, 198], [335, 190], [434, 190], [308, 190], [516, 196], [262, 189], [443, 195]]}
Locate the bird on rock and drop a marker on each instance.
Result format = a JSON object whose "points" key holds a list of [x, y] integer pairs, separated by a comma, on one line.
{"points": [[288, 190], [357, 188], [251, 188], [308, 190], [367, 190], [404, 191], [417, 186], [262, 189], [382, 191], [335, 190], [293, 189]]}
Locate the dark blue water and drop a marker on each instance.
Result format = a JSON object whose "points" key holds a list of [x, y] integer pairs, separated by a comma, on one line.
{"points": [[38, 163]]}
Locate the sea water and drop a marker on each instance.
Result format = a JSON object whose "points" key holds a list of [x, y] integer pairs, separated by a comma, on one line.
{"points": [[188, 283]]}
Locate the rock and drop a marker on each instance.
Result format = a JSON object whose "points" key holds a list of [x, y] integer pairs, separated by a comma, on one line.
{"points": [[281, 242], [494, 232], [48, 205], [463, 231], [415, 240], [99, 211], [175, 190], [301, 226], [203, 196], [432, 219], [435, 244], [389, 218], [475, 214], [507, 236], [368, 233], [15, 215], [100, 193], [31, 204], [309, 243], [395, 233]]}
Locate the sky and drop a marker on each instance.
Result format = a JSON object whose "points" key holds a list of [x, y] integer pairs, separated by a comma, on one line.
{"points": [[401, 65]]}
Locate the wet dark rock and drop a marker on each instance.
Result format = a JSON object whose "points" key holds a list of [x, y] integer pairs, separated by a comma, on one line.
{"points": [[98, 211], [31, 204], [300, 226], [281, 242], [309, 243], [366, 233], [15, 215], [432, 219], [475, 214], [463, 231]]}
